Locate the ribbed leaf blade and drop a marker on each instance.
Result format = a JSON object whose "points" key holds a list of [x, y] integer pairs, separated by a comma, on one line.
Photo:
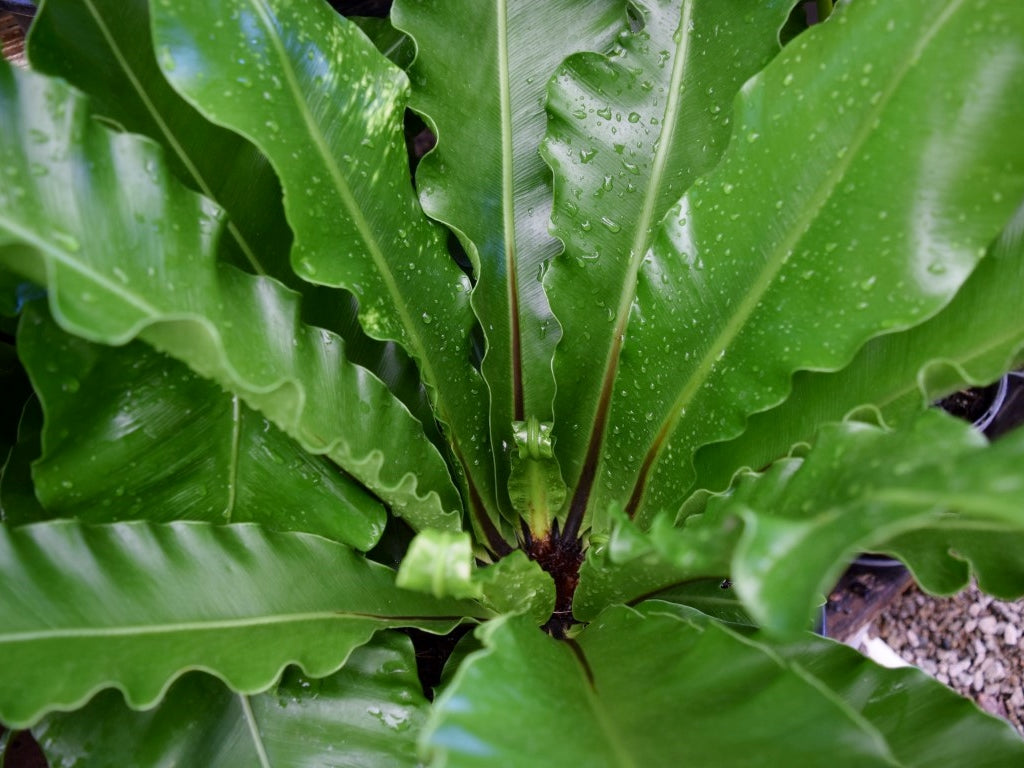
{"points": [[698, 694], [744, 286], [925, 723], [629, 133], [104, 47], [897, 374], [368, 713], [133, 434], [934, 492], [326, 108], [134, 605], [125, 250], [858, 489], [485, 179]]}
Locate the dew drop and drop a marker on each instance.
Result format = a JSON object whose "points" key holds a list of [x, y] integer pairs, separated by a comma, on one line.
{"points": [[612, 226]]}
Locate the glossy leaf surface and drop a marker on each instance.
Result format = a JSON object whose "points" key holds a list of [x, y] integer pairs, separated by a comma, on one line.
{"points": [[133, 606], [924, 723], [859, 488], [326, 108], [629, 133], [367, 714], [126, 251], [104, 47], [485, 178], [658, 707], [133, 434], [897, 374], [934, 493], [886, 192]]}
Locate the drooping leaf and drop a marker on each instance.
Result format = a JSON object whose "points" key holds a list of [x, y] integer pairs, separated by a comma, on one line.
{"points": [[858, 489], [892, 191], [104, 47], [628, 134], [897, 373], [440, 563], [326, 108], [665, 686], [945, 557], [125, 251], [485, 179], [925, 724], [367, 714], [933, 493], [133, 434], [134, 605]]}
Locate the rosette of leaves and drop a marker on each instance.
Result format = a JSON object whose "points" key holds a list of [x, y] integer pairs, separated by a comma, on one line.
{"points": [[666, 303]]}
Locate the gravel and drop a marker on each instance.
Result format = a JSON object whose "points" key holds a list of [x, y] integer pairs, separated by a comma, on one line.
{"points": [[971, 642]]}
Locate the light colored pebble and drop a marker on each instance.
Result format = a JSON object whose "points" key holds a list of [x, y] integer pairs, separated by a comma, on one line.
{"points": [[1011, 635], [970, 642]]}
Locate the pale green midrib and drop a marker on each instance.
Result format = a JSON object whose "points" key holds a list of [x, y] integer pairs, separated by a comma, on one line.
{"points": [[775, 260], [661, 157], [153, 313], [57, 254], [844, 707], [348, 200], [507, 186], [254, 731], [638, 248], [607, 725], [172, 140], [640, 235], [973, 503], [233, 458], [198, 626]]}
